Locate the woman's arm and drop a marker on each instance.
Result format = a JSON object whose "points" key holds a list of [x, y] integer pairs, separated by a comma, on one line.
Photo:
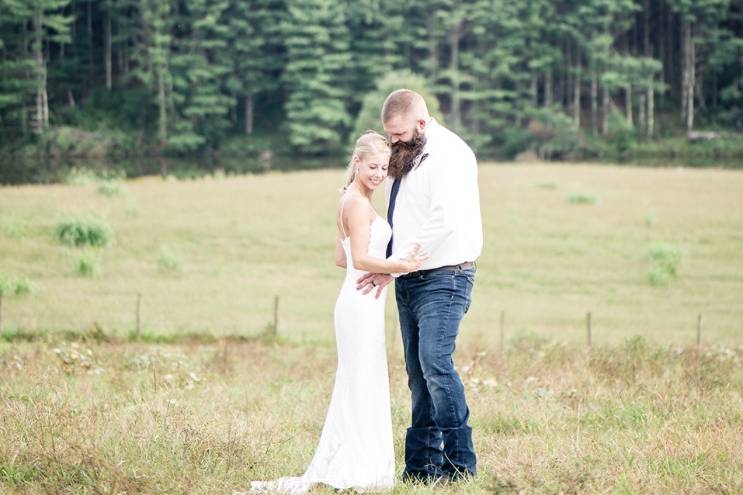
{"points": [[340, 253], [356, 213]]}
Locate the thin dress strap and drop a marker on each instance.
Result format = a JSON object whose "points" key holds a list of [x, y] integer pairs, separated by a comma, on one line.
{"points": [[341, 218]]}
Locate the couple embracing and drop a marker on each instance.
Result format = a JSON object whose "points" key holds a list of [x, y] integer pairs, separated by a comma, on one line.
{"points": [[428, 244]]}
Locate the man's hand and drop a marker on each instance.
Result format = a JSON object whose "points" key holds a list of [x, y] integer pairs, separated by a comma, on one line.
{"points": [[371, 281]]}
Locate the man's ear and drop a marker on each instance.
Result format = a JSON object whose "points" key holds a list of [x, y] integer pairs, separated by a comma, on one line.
{"points": [[421, 124]]}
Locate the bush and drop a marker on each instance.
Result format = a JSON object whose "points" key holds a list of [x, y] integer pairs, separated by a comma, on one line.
{"points": [[665, 261], [81, 232], [87, 266], [72, 141], [514, 140], [169, 261], [18, 286], [368, 117], [620, 139], [582, 199], [22, 287], [555, 135], [91, 174], [79, 176], [109, 188]]}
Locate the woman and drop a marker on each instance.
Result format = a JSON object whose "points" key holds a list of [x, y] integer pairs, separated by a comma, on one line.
{"points": [[355, 448]]}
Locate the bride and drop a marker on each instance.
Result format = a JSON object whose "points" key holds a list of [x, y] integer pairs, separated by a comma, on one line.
{"points": [[355, 448]]}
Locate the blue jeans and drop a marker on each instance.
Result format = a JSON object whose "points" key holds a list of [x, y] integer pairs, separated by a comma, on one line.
{"points": [[431, 305]]}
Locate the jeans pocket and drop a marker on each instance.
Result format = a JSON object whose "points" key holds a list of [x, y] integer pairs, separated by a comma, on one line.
{"points": [[468, 303]]}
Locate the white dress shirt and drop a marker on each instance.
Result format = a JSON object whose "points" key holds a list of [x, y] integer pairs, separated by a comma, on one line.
{"points": [[438, 203]]}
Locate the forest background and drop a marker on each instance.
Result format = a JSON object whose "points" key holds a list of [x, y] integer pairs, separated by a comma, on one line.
{"points": [[269, 78]]}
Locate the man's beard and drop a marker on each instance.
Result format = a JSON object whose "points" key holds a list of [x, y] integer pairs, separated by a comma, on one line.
{"points": [[404, 154]]}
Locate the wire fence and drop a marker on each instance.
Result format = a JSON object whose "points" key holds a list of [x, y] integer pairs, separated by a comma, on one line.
{"points": [[130, 313]]}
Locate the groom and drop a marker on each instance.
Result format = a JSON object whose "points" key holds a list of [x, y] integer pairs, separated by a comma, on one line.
{"points": [[433, 201]]}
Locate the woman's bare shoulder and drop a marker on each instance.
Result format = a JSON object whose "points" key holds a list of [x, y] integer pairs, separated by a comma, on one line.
{"points": [[352, 202]]}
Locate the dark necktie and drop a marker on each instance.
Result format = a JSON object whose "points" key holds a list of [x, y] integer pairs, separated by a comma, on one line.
{"points": [[391, 210], [393, 198]]}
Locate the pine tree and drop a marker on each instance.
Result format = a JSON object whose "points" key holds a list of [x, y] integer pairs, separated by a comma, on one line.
{"points": [[198, 75], [697, 18], [48, 25], [16, 64], [374, 44], [152, 56], [254, 53], [317, 76]]}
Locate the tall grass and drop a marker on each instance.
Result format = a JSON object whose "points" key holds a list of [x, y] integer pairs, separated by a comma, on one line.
{"points": [[96, 417]]}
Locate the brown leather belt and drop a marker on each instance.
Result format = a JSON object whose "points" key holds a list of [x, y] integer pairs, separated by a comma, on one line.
{"points": [[454, 268]]}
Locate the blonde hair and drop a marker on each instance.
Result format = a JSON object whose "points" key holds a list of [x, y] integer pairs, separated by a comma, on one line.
{"points": [[368, 144]]}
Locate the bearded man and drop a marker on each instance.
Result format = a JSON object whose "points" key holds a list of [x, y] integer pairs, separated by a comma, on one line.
{"points": [[433, 202]]}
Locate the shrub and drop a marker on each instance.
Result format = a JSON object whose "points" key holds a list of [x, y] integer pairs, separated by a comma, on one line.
{"points": [[582, 199], [512, 141], [620, 139], [87, 266], [22, 287], [79, 176], [81, 232], [18, 286], [665, 260], [72, 141], [550, 186], [555, 135], [650, 219], [169, 261], [109, 188]]}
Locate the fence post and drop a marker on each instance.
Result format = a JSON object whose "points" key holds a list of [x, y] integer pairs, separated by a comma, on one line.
{"points": [[139, 306], [699, 330], [276, 316], [588, 328], [502, 331]]}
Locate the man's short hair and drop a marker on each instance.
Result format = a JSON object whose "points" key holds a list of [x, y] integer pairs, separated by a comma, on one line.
{"points": [[400, 102]]}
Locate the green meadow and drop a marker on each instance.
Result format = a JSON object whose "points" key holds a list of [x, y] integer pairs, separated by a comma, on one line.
{"points": [[644, 250], [207, 397]]}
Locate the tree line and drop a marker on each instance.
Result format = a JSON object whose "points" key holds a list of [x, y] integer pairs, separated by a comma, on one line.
{"points": [[188, 75]]}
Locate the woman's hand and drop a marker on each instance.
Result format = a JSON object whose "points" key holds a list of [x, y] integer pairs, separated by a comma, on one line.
{"points": [[415, 259]]}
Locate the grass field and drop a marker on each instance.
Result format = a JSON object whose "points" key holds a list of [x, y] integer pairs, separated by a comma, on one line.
{"points": [[211, 255], [86, 417], [644, 410]]}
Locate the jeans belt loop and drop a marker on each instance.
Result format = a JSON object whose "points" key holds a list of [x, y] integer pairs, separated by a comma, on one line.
{"points": [[462, 266]]}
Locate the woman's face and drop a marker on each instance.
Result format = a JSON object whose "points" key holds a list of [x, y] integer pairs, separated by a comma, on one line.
{"points": [[372, 170]]}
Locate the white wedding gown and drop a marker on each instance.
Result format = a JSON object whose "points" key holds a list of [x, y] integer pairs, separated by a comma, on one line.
{"points": [[355, 448]]}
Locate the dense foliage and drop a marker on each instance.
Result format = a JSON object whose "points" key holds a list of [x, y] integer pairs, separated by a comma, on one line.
{"points": [[193, 75]]}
